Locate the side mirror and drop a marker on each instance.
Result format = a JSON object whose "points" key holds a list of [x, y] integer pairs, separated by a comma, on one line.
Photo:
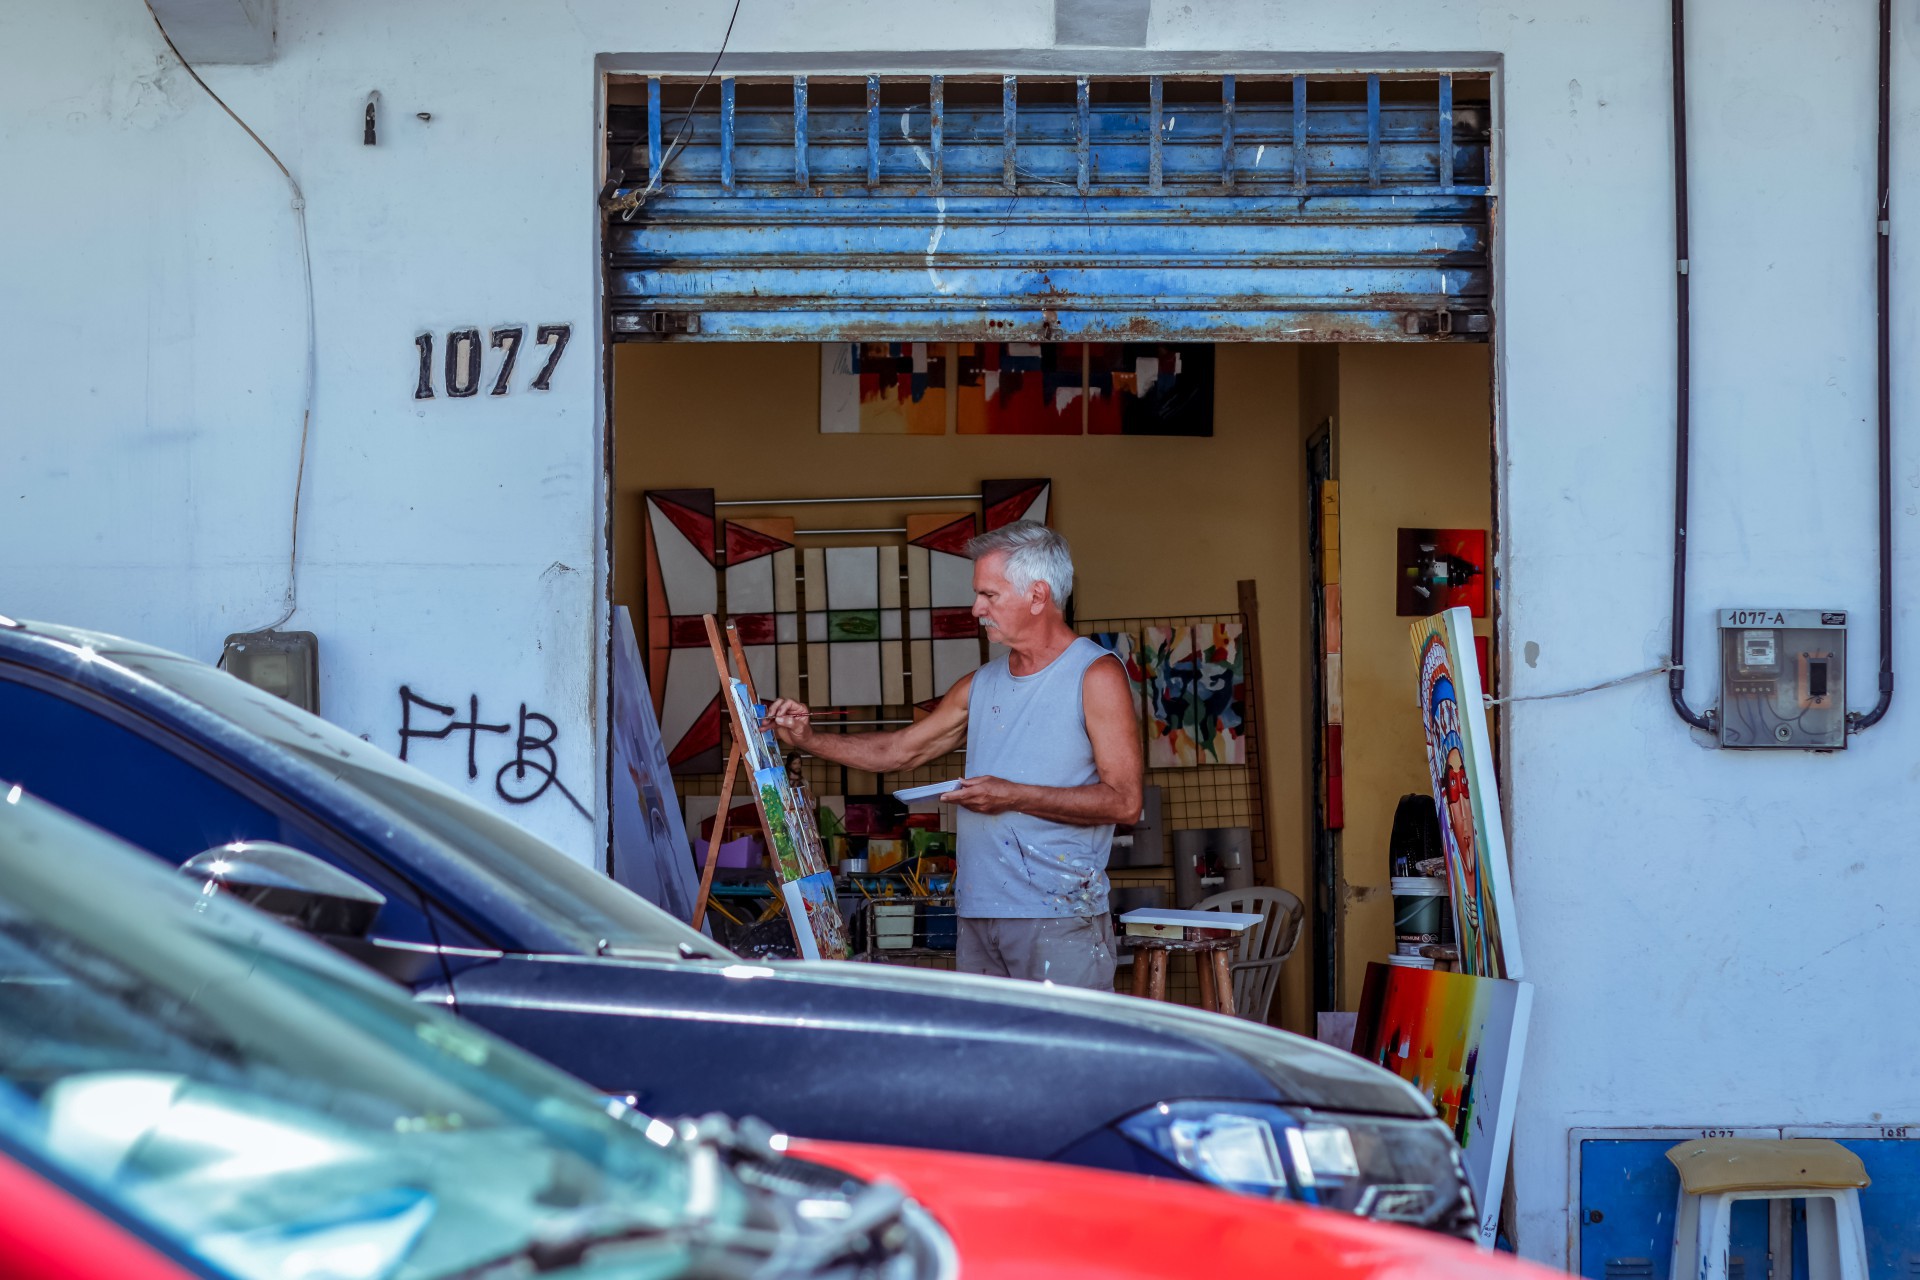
{"points": [[293, 887]]}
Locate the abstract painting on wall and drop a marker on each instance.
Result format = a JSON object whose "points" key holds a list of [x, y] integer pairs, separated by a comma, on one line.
{"points": [[1460, 765], [651, 855], [942, 633], [855, 651], [1005, 501], [1459, 1040], [763, 602], [883, 388], [1125, 646], [1148, 389], [682, 585], [1440, 569], [1167, 659], [1020, 388], [1220, 694]]}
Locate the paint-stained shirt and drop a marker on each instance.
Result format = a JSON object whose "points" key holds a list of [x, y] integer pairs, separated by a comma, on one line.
{"points": [[1031, 729]]}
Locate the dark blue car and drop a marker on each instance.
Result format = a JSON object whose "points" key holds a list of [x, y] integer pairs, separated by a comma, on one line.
{"points": [[470, 911]]}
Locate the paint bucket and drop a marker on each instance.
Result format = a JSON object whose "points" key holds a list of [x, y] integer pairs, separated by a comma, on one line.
{"points": [[1420, 915], [1410, 962]]}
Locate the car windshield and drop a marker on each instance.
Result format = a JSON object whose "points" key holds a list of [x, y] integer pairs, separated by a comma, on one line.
{"points": [[571, 899], [277, 1111]]}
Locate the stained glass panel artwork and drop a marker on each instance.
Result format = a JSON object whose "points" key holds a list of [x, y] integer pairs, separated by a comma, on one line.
{"points": [[763, 602], [940, 625], [683, 584], [1005, 501]]}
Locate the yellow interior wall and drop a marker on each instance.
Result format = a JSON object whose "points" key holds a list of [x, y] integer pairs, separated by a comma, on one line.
{"points": [[1414, 431], [1159, 525]]}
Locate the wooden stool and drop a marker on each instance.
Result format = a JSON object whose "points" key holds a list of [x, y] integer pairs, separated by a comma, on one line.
{"points": [[1716, 1172], [1210, 959]]}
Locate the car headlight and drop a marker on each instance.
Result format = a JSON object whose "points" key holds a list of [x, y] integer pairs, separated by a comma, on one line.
{"points": [[1385, 1168]]}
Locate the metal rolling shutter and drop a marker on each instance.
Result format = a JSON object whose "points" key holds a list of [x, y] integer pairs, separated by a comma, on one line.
{"points": [[1034, 209]]}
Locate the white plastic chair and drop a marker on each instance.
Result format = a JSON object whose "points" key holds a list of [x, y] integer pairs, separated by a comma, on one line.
{"points": [[1264, 948], [1715, 1173]]}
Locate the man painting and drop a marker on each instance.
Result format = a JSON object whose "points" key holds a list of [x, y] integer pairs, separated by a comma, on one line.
{"points": [[1053, 760]]}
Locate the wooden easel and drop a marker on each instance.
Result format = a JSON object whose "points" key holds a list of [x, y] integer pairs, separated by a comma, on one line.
{"points": [[734, 755]]}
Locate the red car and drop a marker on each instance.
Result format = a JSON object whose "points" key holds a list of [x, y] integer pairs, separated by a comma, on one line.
{"points": [[187, 1087]]}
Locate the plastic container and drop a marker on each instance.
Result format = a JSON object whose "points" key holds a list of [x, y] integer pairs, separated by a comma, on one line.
{"points": [[1421, 913]]}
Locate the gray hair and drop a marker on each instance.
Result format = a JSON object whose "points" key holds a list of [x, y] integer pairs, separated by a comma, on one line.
{"points": [[1034, 553]]}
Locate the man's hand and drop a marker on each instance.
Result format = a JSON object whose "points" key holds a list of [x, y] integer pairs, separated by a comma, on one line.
{"points": [[985, 795], [792, 722]]}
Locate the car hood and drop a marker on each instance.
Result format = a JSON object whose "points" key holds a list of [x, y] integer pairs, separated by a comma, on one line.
{"points": [[1307, 1072], [928, 1033], [1016, 1218]]}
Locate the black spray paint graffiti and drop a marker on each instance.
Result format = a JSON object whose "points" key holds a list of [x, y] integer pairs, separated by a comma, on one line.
{"points": [[534, 768]]}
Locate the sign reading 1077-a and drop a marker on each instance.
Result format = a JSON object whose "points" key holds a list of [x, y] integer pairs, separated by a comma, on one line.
{"points": [[461, 368]]}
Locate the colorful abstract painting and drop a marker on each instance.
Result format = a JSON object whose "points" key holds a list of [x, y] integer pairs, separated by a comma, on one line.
{"points": [[1220, 694], [1439, 569], [884, 388], [1149, 389], [763, 602], [1459, 1040], [817, 923], [1167, 660], [943, 637], [1460, 765], [682, 585], [651, 855], [1020, 388], [1005, 501], [1125, 646]]}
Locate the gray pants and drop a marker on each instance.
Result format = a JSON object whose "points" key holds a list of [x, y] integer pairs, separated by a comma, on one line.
{"points": [[1074, 951]]}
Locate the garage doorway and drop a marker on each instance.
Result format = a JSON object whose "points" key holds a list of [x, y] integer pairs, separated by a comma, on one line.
{"points": [[1309, 242]]}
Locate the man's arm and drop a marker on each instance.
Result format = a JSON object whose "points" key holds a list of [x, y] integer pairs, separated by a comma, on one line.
{"points": [[1115, 735], [924, 740]]}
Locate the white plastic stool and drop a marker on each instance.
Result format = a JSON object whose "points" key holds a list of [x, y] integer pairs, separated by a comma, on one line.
{"points": [[1717, 1172]]}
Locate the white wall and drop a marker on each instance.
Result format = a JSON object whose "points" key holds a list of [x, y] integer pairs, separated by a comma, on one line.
{"points": [[1711, 932]]}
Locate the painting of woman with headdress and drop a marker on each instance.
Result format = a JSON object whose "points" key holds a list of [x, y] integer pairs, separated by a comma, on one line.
{"points": [[1461, 769]]}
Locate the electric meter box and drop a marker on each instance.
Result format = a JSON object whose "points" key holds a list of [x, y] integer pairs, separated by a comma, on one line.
{"points": [[1783, 678]]}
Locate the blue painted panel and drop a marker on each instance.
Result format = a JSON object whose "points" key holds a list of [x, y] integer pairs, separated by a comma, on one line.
{"points": [[1633, 1187], [1890, 1207]]}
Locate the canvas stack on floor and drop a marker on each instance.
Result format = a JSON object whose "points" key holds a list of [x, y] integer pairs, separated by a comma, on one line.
{"points": [[1459, 1037]]}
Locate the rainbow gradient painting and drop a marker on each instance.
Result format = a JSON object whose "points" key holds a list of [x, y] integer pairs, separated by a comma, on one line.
{"points": [[1458, 1039]]}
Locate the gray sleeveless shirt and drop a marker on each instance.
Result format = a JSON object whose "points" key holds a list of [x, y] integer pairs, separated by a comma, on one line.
{"points": [[1031, 729]]}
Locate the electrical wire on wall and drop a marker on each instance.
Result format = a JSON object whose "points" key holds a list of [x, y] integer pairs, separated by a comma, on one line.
{"points": [[1883, 291], [292, 596], [627, 205]]}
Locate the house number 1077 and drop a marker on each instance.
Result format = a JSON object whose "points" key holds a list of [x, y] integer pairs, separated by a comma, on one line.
{"points": [[462, 374]]}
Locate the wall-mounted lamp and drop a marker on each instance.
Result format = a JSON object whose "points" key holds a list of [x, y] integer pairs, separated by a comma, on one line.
{"points": [[368, 138]]}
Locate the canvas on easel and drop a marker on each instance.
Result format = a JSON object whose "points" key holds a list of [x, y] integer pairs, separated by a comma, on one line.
{"points": [[793, 836]]}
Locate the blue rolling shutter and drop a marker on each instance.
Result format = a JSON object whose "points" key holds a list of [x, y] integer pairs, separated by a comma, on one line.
{"points": [[1023, 210]]}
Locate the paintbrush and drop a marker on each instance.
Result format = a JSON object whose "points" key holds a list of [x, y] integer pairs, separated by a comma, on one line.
{"points": [[816, 715]]}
